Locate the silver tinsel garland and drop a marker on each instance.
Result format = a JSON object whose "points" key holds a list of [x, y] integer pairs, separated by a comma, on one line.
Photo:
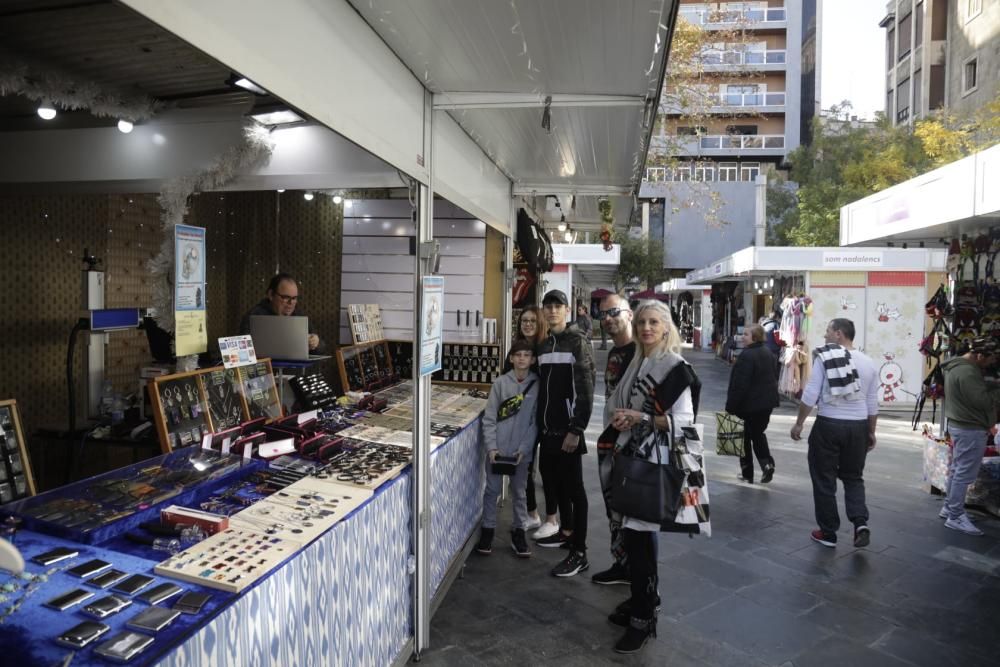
{"points": [[63, 90]]}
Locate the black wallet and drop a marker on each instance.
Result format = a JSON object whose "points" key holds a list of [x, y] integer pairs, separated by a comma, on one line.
{"points": [[504, 465]]}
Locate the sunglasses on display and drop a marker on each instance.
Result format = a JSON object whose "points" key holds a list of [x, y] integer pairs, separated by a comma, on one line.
{"points": [[610, 312]]}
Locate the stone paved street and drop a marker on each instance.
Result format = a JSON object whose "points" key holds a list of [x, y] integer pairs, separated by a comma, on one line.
{"points": [[758, 592]]}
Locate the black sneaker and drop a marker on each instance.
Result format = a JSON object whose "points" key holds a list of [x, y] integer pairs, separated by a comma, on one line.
{"points": [[862, 536], [573, 564], [519, 544], [636, 635], [553, 541], [485, 544], [616, 574], [767, 475]]}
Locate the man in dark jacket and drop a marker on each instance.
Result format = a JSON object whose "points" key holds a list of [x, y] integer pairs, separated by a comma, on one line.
{"points": [[565, 400], [283, 300], [753, 394]]}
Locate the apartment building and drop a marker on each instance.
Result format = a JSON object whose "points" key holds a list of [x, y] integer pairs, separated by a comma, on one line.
{"points": [[940, 54], [759, 78]]}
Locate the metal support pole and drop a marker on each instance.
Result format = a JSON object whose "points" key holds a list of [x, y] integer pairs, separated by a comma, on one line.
{"points": [[506, 317], [421, 405]]}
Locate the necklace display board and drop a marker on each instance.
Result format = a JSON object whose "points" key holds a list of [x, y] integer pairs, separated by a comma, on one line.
{"points": [[16, 480], [365, 367], [187, 406], [366, 322]]}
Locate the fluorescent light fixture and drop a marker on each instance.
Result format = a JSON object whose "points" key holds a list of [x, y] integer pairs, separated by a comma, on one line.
{"points": [[561, 226], [247, 84], [337, 199], [281, 189], [46, 111], [125, 126], [308, 196], [277, 116]]}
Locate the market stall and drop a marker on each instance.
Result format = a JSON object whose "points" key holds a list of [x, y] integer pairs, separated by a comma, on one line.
{"points": [[694, 309], [883, 290]]}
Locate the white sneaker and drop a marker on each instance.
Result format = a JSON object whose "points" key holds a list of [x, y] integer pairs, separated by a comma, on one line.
{"points": [[964, 524], [533, 522], [546, 530], [943, 514]]}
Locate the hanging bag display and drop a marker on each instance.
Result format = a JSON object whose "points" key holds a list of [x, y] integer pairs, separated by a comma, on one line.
{"points": [[729, 434], [646, 488]]}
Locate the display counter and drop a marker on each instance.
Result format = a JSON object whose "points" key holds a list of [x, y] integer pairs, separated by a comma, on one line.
{"points": [[344, 598]]}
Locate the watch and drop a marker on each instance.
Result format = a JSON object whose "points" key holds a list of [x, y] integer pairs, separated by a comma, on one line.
{"points": [[646, 418]]}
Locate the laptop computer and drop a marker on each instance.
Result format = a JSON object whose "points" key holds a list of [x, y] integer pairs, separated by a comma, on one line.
{"points": [[280, 337]]}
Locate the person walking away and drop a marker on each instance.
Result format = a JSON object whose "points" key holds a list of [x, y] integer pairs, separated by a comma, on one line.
{"points": [[752, 396], [565, 401], [532, 328], [510, 430], [658, 393], [616, 319], [844, 383], [771, 324], [971, 410]]}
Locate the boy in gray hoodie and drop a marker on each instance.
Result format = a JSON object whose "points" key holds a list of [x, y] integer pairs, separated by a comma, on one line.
{"points": [[510, 430]]}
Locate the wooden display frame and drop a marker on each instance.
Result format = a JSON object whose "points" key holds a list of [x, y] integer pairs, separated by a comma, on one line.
{"points": [[202, 379], [10, 405], [355, 377]]}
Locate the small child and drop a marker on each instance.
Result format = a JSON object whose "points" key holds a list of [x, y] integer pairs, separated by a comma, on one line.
{"points": [[509, 429]]}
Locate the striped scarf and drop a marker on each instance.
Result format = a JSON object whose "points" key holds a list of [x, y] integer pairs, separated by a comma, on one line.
{"points": [[841, 375]]}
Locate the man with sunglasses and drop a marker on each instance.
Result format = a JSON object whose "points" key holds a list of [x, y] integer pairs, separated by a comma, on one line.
{"points": [[616, 318], [282, 299]]}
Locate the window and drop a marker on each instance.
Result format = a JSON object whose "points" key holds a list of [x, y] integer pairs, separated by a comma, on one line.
{"points": [[690, 130], [683, 173], [905, 27], [704, 172], [749, 170], [973, 8], [744, 95], [918, 25], [890, 49], [727, 171], [970, 75], [903, 101], [742, 129]]}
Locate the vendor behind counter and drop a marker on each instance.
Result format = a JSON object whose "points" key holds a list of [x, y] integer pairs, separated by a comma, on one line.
{"points": [[283, 299]]}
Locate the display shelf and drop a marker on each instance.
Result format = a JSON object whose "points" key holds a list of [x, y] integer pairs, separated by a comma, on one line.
{"points": [[365, 367], [16, 479], [260, 392]]}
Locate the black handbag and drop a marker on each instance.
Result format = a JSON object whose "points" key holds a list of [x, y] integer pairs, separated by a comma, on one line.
{"points": [[645, 489]]}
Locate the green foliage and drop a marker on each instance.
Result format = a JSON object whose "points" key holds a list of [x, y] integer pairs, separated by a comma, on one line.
{"points": [[641, 259]]}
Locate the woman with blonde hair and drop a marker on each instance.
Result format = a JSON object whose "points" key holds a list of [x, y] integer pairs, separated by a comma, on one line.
{"points": [[655, 405]]}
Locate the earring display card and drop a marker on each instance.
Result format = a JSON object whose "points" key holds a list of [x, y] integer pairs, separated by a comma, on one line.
{"points": [[225, 405], [260, 391], [366, 322], [16, 480]]}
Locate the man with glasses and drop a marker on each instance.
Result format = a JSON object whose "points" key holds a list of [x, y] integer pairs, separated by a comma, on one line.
{"points": [[565, 400], [616, 318], [282, 299]]}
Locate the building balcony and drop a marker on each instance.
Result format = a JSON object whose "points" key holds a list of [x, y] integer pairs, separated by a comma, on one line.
{"points": [[725, 61], [725, 19], [713, 145], [726, 103]]}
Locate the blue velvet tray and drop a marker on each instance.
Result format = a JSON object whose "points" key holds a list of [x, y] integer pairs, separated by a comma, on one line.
{"points": [[27, 636], [185, 478]]}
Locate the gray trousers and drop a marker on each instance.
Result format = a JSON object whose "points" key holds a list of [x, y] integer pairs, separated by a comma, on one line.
{"points": [[969, 445], [518, 492]]}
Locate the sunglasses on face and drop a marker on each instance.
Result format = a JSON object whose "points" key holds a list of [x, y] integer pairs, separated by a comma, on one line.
{"points": [[610, 312]]}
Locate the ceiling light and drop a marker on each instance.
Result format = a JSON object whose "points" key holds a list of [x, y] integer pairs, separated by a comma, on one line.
{"points": [[308, 196], [337, 199], [125, 126], [348, 203], [281, 189], [568, 236], [561, 227], [46, 111], [245, 84], [272, 116]]}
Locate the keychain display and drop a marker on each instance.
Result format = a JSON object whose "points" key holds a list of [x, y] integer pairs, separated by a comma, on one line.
{"points": [[224, 402], [16, 481], [183, 410]]}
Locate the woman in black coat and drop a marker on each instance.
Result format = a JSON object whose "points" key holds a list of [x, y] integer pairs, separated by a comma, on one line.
{"points": [[753, 394]]}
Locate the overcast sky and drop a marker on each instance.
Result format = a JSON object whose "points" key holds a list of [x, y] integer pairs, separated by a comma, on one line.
{"points": [[852, 61]]}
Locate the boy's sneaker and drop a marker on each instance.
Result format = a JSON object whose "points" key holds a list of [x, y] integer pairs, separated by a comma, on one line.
{"points": [[519, 544], [616, 574], [862, 536], [823, 538], [573, 564], [943, 514], [546, 530], [557, 539], [533, 523], [485, 544], [963, 524]]}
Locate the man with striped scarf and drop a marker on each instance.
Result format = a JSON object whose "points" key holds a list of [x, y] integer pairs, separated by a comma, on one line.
{"points": [[844, 384]]}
